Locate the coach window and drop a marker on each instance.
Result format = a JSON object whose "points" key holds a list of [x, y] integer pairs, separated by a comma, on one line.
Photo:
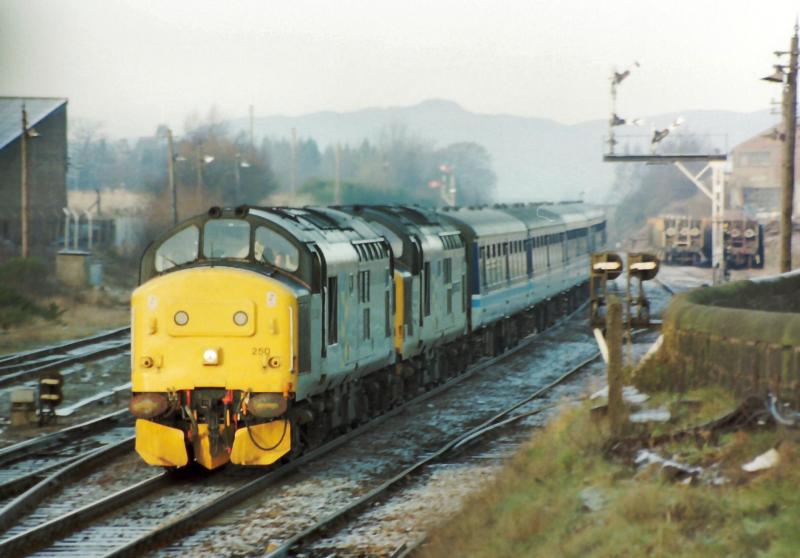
{"points": [[181, 248], [272, 248], [483, 265]]}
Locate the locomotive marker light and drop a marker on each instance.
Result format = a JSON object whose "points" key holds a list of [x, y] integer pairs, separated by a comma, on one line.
{"points": [[240, 318], [181, 318]]}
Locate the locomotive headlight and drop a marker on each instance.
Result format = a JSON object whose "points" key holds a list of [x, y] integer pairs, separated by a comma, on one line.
{"points": [[181, 318], [211, 357], [240, 318], [749, 233]]}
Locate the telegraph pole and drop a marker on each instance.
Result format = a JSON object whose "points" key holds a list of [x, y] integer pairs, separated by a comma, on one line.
{"points": [[238, 176], [293, 176], [337, 184], [790, 127], [171, 175], [24, 183], [252, 135]]}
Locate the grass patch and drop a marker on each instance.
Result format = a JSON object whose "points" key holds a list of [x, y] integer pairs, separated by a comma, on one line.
{"points": [[23, 281], [536, 505]]}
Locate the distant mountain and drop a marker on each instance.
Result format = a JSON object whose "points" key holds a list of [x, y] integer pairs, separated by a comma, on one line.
{"points": [[534, 158]]}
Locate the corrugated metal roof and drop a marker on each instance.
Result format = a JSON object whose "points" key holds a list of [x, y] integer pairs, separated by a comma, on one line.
{"points": [[11, 114]]}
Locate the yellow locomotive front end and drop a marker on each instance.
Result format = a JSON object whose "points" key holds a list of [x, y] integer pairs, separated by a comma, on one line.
{"points": [[213, 367]]}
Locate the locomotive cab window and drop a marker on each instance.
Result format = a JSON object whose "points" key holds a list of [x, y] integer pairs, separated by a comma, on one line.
{"points": [[272, 248], [226, 238], [179, 249]]}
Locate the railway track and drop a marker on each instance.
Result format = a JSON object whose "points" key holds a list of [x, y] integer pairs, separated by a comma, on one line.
{"points": [[152, 511], [30, 364], [25, 464], [131, 512], [301, 543], [664, 285]]}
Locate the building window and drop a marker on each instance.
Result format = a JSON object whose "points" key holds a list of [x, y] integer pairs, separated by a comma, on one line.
{"points": [[755, 159]]}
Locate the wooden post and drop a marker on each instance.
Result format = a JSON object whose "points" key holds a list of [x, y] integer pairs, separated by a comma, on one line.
{"points": [[170, 175], [337, 184], [790, 128], [24, 185], [616, 409]]}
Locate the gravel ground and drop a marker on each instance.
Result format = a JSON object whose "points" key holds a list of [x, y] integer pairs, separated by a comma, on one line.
{"points": [[80, 381], [342, 477]]}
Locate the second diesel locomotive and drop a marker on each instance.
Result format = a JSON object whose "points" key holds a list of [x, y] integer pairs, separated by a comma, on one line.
{"points": [[257, 332]]}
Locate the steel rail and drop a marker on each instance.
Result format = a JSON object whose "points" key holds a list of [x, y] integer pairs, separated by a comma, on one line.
{"points": [[664, 285], [37, 368], [302, 539], [191, 520], [17, 452], [36, 537], [12, 358], [20, 505], [17, 485], [67, 410]]}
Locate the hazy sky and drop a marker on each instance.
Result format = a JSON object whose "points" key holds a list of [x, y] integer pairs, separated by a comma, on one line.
{"points": [[131, 64]]}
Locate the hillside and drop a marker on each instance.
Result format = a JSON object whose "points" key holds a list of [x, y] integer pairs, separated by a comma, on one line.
{"points": [[534, 158]]}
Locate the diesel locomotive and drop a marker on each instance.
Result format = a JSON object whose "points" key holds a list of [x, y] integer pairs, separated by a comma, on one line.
{"points": [[258, 332]]}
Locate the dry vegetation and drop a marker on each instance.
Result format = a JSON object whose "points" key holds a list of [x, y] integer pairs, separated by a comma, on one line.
{"points": [[537, 505], [35, 309]]}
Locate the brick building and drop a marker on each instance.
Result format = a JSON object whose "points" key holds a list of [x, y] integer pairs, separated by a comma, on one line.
{"points": [[755, 180], [47, 168]]}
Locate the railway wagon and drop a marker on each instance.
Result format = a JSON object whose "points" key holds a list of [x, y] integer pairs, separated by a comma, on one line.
{"points": [[744, 242], [259, 332], [684, 240]]}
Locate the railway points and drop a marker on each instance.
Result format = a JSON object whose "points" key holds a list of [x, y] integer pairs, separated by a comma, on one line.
{"points": [[147, 489], [8, 360], [24, 464], [27, 367], [212, 495]]}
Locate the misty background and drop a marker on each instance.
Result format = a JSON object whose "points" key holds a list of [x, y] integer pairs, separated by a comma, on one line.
{"points": [[516, 93]]}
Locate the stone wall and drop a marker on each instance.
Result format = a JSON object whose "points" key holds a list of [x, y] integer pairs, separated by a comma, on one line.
{"points": [[717, 336]]}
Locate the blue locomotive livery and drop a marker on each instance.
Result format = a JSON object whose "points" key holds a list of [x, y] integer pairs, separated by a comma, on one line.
{"points": [[258, 332]]}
